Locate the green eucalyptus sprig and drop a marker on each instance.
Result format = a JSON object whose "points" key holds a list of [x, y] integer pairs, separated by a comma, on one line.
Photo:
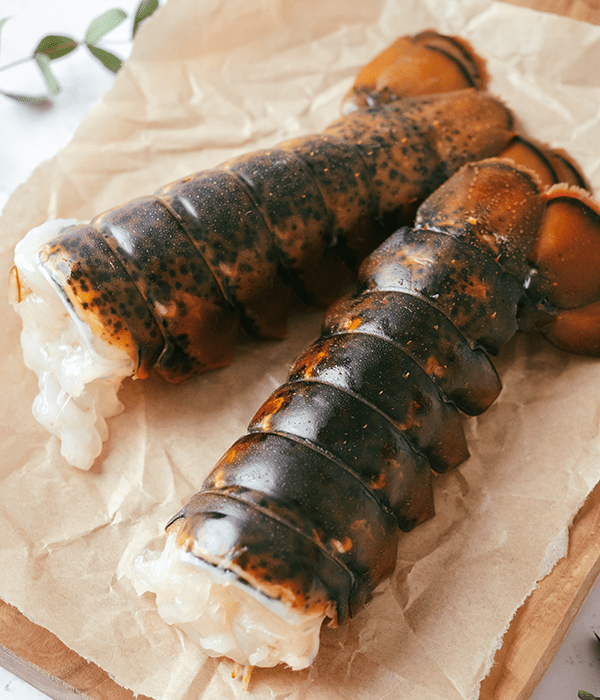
{"points": [[56, 46], [583, 694]]}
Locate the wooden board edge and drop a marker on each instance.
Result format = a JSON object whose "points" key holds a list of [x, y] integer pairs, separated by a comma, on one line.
{"points": [[37, 677], [541, 623], [535, 634], [38, 657]]}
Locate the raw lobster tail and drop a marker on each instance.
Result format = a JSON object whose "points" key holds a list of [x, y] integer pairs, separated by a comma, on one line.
{"points": [[339, 456], [167, 281], [228, 244]]}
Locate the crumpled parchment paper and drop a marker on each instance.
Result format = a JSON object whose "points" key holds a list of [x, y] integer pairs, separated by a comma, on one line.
{"points": [[206, 81]]}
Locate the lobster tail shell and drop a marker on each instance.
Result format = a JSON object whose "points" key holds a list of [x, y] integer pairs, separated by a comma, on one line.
{"points": [[81, 265], [372, 407], [563, 287], [249, 494], [463, 374], [424, 63], [225, 248]]}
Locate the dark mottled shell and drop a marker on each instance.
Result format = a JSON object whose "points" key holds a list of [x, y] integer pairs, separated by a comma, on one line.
{"points": [[176, 284], [468, 286], [501, 217], [343, 177], [82, 265], [227, 246], [380, 373], [360, 437], [218, 214], [464, 375], [372, 407], [339, 516], [219, 526]]}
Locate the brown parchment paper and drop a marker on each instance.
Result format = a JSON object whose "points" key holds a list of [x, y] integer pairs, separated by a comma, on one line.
{"points": [[205, 81]]}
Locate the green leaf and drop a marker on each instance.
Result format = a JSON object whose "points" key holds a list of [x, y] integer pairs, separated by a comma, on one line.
{"points": [[38, 100], [584, 695], [2, 21], [44, 64], [145, 9], [104, 24], [55, 46], [111, 61]]}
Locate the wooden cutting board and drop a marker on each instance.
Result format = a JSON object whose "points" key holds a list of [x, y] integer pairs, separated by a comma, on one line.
{"points": [[37, 656], [535, 635]]}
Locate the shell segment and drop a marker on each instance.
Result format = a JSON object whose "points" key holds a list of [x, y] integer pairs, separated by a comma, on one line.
{"points": [[464, 375], [102, 294], [360, 437], [220, 217], [468, 286], [175, 283]]}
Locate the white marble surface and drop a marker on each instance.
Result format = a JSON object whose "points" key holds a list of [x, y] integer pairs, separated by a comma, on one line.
{"points": [[31, 136], [36, 134]]}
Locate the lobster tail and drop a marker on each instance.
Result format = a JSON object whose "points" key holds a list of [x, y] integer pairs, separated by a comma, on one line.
{"points": [[374, 403], [343, 453], [226, 247]]}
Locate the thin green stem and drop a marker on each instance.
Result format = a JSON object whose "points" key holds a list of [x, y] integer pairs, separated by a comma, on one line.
{"points": [[18, 62]]}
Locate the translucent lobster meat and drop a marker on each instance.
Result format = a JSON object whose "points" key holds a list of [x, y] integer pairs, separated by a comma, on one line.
{"points": [[79, 374], [225, 618]]}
